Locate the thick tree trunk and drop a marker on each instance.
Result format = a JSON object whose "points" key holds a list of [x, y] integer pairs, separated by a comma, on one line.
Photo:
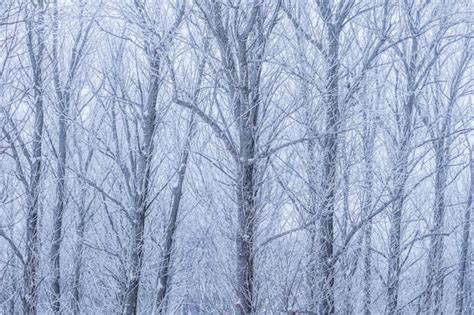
{"points": [[326, 222], [59, 209], [246, 194], [400, 177], [246, 113], [462, 292], [434, 274], [245, 238]]}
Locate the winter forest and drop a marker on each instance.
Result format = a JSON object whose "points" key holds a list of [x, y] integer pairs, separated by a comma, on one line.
{"points": [[236, 157]]}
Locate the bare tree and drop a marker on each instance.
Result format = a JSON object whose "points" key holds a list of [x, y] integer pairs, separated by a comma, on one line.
{"points": [[440, 132], [334, 20], [415, 66], [36, 46], [235, 156], [63, 86], [242, 52], [177, 194], [138, 174]]}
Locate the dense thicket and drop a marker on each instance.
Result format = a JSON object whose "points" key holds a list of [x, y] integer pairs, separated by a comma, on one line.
{"points": [[236, 156]]}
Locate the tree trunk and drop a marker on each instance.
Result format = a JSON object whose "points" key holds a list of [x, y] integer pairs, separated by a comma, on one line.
{"points": [[246, 195], [434, 274], [76, 286], [59, 209], [80, 230], [462, 292], [400, 176], [326, 228], [245, 238], [247, 105], [32, 244], [369, 143], [165, 263], [142, 191], [63, 106]]}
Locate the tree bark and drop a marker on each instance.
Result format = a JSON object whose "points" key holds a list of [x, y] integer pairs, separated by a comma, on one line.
{"points": [[246, 115], [32, 244], [400, 177], [434, 277], [59, 209], [326, 223], [462, 291]]}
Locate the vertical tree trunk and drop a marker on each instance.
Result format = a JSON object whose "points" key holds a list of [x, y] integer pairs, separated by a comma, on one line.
{"points": [[245, 236], [165, 263], [349, 260], [400, 176], [433, 296], [80, 231], [61, 173], [76, 286], [326, 228], [462, 292], [59, 209], [142, 187], [32, 245], [313, 273], [368, 152], [63, 94], [367, 278], [434, 275], [246, 104], [246, 190], [242, 51]]}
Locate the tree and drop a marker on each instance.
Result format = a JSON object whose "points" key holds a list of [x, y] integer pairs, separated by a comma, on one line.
{"points": [[223, 156], [242, 51], [415, 68], [138, 171], [63, 94], [36, 46], [334, 19], [440, 132]]}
